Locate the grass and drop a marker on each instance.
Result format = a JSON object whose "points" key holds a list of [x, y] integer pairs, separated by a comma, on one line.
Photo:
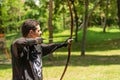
{"points": [[93, 66], [102, 60], [5, 72]]}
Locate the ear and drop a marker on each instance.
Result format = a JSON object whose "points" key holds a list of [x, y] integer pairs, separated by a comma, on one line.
{"points": [[30, 33]]}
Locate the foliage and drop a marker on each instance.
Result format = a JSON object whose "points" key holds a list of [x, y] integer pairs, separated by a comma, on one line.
{"points": [[13, 15]]}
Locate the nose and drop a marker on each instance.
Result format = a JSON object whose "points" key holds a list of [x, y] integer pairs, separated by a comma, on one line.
{"points": [[40, 32]]}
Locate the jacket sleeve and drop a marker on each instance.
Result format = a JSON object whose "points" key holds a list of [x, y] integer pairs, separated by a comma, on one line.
{"points": [[20, 45], [49, 48], [28, 41]]}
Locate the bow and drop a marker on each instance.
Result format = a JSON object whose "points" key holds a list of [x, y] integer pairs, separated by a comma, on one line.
{"points": [[69, 45]]}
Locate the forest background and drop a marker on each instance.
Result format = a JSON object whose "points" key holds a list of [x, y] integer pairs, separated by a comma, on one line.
{"points": [[96, 28], [54, 16]]}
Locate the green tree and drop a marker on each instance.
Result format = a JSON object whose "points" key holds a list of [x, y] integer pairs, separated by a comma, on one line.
{"points": [[11, 14], [85, 28], [118, 12], [0, 16]]}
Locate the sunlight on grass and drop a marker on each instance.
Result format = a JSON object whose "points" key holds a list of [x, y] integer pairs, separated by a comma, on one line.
{"points": [[108, 29], [96, 29], [57, 37], [102, 65], [101, 60], [5, 74], [96, 65]]}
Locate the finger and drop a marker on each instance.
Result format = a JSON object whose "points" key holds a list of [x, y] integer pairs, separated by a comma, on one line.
{"points": [[69, 40]]}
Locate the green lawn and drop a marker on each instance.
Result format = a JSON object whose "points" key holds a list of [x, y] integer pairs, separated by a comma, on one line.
{"points": [[102, 60], [97, 65]]}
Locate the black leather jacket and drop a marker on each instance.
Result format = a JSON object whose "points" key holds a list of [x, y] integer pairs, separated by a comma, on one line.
{"points": [[27, 57]]}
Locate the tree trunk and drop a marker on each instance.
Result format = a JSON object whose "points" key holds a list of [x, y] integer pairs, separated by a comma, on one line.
{"points": [[0, 15], [106, 17], [84, 29], [84, 25], [50, 28], [63, 18], [90, 13], [76, 21], [118, 13]]}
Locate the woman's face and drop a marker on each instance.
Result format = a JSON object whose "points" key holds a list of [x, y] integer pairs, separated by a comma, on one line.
{"points": [[36, 33]]}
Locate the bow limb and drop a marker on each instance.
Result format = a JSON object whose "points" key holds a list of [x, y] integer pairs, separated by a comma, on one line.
{"points": [[69, 45]]}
